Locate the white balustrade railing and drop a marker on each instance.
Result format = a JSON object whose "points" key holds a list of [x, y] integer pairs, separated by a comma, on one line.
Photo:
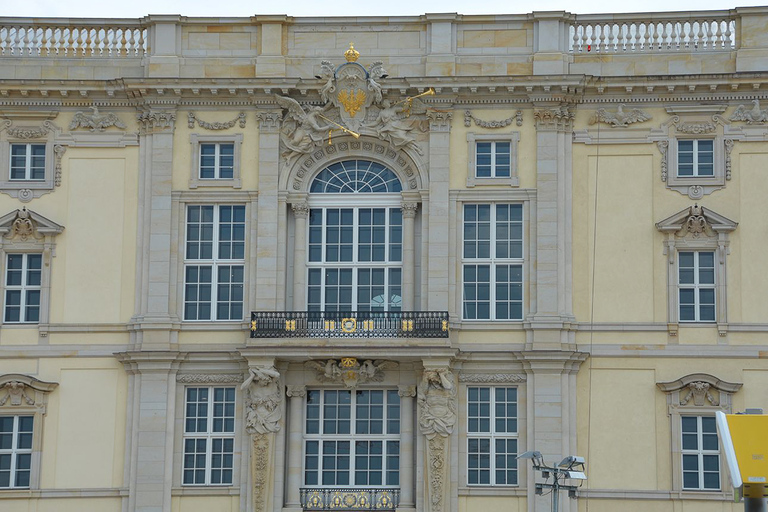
{"points": [[24, 40], [590, 34]]}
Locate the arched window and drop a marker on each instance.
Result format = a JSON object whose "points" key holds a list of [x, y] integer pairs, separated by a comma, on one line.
{"points": [[355, 244]]}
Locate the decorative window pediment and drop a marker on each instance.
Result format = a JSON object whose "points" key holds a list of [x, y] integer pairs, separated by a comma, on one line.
{"points": [[699, 390], [19, 391], [690, 231], [27, 226]]}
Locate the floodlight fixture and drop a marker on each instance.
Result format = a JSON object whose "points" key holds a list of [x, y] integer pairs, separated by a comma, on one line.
{"points": [[575, 475], [572, 460], [534, 454]]}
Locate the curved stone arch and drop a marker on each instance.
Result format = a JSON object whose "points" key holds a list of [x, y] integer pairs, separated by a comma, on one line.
{"points": [[299, 176]]}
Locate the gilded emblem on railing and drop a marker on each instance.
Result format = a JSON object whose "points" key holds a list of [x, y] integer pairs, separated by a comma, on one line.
{"points": [[348, 325]]}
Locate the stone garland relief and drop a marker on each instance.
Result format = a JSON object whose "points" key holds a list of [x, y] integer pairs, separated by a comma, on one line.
{"points": [[469, 117], [95, 121], [437, 407], [192, 118], [263, 398], [209, 378], [491, 378]]}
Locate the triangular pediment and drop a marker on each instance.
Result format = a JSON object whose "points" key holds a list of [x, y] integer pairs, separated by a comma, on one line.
{"points": [[696, 217], [25, 222]]}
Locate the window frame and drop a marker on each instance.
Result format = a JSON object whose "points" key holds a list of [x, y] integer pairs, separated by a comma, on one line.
{"points": [[695, 153], [214, 262], [321, 436], [15, 452], [28, 156], [697, 394], [700, 453], [46, 134], [493, 262], [209, 436], [513, 180], [696, 286], [24, 288], [34, 403], [386, 201], [196, 141], [492, 435]]}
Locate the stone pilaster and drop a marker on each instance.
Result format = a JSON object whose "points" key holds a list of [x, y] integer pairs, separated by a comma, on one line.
{"points": [[438, 219], [296, 395], [268, 211], [271, 61], [153, 318], [551, 311], [300, 213], [151, 429], [437, 419], [409, 210], [407, 503], [441, 60], [551, 424]]}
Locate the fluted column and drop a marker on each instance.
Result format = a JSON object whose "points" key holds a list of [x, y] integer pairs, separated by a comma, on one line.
{"points": [[406, 446], [409, 260], [296, 419], [300, 214]]}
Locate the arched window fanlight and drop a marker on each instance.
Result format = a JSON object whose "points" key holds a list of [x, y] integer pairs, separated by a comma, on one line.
{"points": [[355, 176]]}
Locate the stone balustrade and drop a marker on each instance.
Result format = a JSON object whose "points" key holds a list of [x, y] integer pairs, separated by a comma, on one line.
{"points": [[650, 33], [84, 38]]}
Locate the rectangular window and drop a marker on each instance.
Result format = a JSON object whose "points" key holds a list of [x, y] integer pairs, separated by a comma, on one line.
{"points": [[217, 161], [214, 262], [209, 436], [695, 158], [701, 454], [355, 259], [696, 286], [493, 159], [352, 438], [491, 436], [27, 162], [492, 270], [23, 279], [15, 451]]}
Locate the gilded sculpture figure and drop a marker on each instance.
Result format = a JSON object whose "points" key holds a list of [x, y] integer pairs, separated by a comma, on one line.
{"points": [[437, 403], [263, 398]]}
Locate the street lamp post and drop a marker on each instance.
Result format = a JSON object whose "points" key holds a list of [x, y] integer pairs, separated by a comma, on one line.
{"points": [[571, 467]]}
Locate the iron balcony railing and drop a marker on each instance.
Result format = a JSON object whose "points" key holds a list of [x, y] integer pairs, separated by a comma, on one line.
{"points": [[320, 498], [349, 324]]}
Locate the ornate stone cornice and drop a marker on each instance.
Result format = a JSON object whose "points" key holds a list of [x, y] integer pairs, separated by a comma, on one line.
{"points": [[296, 391], [154, 121], [209, 378], [300, 210], [192, 117], [491, 378], [439, 121], [409, 209], [556, 118], [269, 120]]}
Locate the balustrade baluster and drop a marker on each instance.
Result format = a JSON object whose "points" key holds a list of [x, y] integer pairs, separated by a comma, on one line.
{"points": [[141, 50]]}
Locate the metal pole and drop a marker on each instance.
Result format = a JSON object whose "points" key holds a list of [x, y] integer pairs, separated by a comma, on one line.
{"points": [[556, 495], [755, 505]]}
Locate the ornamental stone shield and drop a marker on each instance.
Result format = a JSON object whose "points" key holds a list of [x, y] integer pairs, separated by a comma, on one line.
{"points": [[351, 88]]}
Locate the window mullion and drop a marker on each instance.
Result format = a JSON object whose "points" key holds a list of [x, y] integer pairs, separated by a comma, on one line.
{"points": [[28, 163], [217, 161], [24, 289]]}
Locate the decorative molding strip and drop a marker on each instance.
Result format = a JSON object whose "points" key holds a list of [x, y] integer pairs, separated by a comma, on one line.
{"points": [[209, 378], [95, 122], [663, 146], [491, 378], [469, 117], [619, 118], [728, 148], [192, 117]]}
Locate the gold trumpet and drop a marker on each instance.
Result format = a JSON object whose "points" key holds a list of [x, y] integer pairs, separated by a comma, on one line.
{"points": [[338, 127], [409, 101]]}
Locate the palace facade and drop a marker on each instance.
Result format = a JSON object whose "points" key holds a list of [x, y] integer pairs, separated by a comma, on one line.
{"points": [[247, 265]]}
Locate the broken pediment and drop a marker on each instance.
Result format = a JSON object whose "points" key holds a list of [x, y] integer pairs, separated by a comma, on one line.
{"points": [[699, 389]]}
